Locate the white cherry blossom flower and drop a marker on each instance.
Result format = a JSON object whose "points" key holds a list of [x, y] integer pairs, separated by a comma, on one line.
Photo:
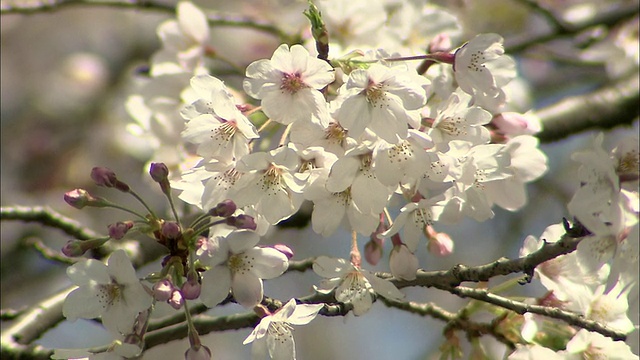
{"points": [[237, 264], [563, 274], [208, 183], [215, 123], [268, 183], [481, 69], [403, 263], [592, 345], [184, 41], [355, 171], [406, 159], [352, 285], [597, 204], [288, 84], [413, 219], [527, 164], [273, 335], [381, 99], [112, 292], [456, 120]]}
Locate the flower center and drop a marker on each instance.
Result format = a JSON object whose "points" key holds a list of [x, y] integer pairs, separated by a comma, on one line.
{"points": [[291, 83], [225, 131], [240, 263], [280, 329], [335, 133], [108, 294], [453, 126], [375, 94], [271, 179]]}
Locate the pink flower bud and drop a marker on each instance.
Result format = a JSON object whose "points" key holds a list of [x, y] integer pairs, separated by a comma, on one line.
{"points": [[176, 301], [80, 198], [224, 209], [284, 249], [119, 230], [513, 124], [440, 43], [242, 222], [440, 244], [403, 263], [170, 230], [198, 352], [73, 248], [159, 172], [163, 290], [103, 176], [373, 251], [191, 288]]}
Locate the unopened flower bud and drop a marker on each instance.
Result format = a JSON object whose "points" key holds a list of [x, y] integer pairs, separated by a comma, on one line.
{"points": [[513, 124], [439, 244], [242, 221], [80, 198], [198, 352], [163, 290], [403, 263], [191, 288], [284, 249], [373, 251], [440, 43], [103, 176], [170, 230], [75, 248], [176, 301], [119, 230], [224, 209], [159, 172]]}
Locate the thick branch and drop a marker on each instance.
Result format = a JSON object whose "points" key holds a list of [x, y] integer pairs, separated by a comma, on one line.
{"points": [[604, 108], [503, 266], [15, 340], [214, 20], [608, 18], [47, 217]]}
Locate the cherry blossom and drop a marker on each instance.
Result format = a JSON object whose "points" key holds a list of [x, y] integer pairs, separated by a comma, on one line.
{"points": [[274, 336], [381, 99], [351, 284], [268, 183], [288, 84], [112, 292], [237, 264], [215, 123]]}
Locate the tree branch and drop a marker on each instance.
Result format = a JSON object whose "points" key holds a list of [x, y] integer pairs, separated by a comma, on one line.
{"points": [[15, 340], [47, 217], [604, 108], [214, 20], [522, 308], [608, 18]]}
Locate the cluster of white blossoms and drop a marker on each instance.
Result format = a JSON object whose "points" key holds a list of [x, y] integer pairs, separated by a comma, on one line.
{"points": [[596, 280], [359, 131]]}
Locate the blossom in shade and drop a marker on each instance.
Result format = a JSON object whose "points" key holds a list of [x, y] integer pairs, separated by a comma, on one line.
{"points": [[352, 284], [274, 335]]}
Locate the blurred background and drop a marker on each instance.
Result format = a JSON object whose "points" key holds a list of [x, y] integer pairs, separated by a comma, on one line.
{"points": [[65, 76]]}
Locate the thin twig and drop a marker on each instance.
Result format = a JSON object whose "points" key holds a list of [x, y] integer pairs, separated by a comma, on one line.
{"points": [[49, 253]]}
